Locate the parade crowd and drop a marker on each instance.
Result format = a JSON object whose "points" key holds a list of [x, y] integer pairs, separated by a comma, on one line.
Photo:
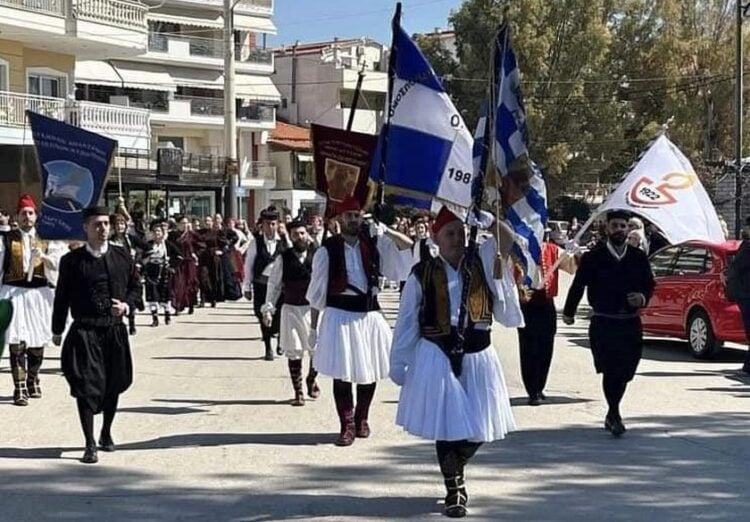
{"points": [[314, 290]]}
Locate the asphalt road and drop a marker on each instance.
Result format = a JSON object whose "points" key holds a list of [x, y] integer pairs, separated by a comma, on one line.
{"points": [[206, 433]]}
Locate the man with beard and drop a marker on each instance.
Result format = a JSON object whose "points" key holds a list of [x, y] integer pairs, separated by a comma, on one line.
{"points": [[619, 282], [265, 248], [353, 339], [26, 274], [289, 279], [97, 284]]}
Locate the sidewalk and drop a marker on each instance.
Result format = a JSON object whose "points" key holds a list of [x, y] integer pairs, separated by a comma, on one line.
{"points": [[206, 433]]}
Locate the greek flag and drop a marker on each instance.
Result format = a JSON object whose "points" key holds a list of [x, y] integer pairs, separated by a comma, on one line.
{"points": [[425, 148], [524, 193]]}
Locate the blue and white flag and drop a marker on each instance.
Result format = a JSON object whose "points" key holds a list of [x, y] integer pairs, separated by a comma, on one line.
{"points": [[524, 194], [429, 148]]}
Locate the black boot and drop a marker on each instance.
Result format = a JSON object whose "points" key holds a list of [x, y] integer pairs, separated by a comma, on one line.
{"points": [[191, 309], [455, 498], [167, 317], [131, 324], [365, 393], [313, 391], [154, 319], [295, 372]]}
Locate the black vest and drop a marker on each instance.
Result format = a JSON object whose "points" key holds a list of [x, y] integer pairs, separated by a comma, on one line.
{"points": [[263, 258], [296, 276]]}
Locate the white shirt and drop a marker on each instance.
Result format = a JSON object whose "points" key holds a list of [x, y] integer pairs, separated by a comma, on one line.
{"points": [[275, 283], [252, 254], [391, 266], [97, 252], [55, 250], [506, 308]]}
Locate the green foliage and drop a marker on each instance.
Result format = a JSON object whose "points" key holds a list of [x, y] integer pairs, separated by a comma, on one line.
{"points": [[600, 77]]}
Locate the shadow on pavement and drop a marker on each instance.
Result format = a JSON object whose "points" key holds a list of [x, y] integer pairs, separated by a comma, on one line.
{"points": [[161, 410], [231, 402], [230, 339], [665, 468], [199, 358], [549, 401]]}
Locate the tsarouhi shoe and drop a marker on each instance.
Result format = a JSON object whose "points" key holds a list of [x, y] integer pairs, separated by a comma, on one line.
{"points": [[20, 395], [299, 399], [456, 497], [35, 390]]}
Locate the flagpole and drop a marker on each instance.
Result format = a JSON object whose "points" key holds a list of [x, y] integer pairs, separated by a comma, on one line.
{"points": [[385, 129], [457, 351]]}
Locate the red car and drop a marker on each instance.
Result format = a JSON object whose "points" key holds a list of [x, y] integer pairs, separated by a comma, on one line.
{"points": [[689, 300]]}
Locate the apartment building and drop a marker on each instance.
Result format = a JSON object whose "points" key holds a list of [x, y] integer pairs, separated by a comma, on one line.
{"points": [[40, 41], [317, 82], [179, 79]]}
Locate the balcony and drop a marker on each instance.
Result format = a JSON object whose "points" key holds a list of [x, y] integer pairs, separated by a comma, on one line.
{"points": [[205, 52], [257, 175], [50, 7], [202, 111], [117, 13], [171, 166], [130, 127]]}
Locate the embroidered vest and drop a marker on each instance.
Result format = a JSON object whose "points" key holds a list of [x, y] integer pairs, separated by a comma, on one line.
{"points": [[434, 310], [13, 262], [295, 276], [263, 258], [337, 276]]}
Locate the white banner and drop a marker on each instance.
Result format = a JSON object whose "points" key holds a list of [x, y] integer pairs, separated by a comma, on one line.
{"points": [[664, 189]]}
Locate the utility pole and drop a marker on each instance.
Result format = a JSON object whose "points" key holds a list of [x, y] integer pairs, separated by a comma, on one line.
{"points": [[742, 10], [230, 115]]}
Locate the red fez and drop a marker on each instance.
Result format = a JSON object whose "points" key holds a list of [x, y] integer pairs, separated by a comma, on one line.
{"points": [[348, 205], [26, 201], [444, 217]]}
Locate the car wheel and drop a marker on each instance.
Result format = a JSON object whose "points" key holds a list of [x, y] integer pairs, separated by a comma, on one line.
{"points": [[701, 336]]}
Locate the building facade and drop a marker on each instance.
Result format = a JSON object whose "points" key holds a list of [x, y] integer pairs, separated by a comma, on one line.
{"points": [[40, 41], [179, 79], [317, 82]]}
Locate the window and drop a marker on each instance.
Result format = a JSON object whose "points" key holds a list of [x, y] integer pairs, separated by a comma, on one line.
{"points": [[663, 261], [4, 74], [691, 261], [47, 83]]}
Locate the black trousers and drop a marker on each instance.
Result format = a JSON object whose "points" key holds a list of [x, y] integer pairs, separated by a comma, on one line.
{"points": [[536, 342]]}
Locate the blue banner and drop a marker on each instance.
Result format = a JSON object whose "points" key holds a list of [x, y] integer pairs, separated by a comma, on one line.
{"points": [[74, 164]]}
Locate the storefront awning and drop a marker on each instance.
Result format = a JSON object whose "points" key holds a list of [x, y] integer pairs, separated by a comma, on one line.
{"points": [[304, 157], [134, 76], [199, 78]]}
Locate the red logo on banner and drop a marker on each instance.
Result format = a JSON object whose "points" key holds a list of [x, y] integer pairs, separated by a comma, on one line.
{"points": [[649, 193]]}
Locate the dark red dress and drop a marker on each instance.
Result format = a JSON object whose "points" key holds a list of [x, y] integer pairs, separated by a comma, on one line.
{"points": [[185, 283]]}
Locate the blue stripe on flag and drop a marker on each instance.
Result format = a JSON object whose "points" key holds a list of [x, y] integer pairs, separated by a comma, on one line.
{"points": [[406, 201], [411, 65], [524, 230], [413, 159]]}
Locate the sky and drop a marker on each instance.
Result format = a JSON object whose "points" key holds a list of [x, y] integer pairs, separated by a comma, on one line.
{"points": [[315, 20]]}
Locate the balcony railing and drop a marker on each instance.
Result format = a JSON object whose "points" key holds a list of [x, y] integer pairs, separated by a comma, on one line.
{"points": [[184, 45], [260, 170], [174, 163], [200, 106], [53, 7], [13, 107], [261, 113], [97, 117], [120, 13], [110, 119]]}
